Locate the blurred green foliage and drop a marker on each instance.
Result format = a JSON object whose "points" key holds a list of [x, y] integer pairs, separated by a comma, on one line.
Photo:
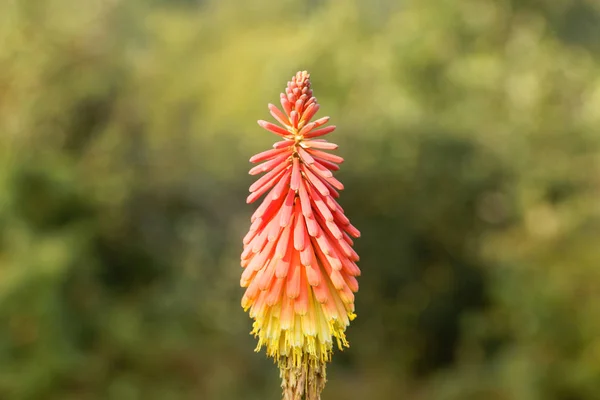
{"points": [[472, 140]]}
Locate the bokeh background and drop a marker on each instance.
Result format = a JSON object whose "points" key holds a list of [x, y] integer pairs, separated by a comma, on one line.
{"points": [[471, 132]]}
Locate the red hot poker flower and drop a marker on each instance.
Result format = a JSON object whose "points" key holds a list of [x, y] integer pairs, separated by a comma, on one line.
{"points": [[299, 265]]}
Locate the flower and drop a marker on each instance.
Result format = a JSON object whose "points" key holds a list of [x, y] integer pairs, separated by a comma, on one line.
{"points": [[299, 265]]}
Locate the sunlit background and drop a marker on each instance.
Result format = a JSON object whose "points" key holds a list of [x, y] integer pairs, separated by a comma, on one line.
{"points": [[471, 133]]}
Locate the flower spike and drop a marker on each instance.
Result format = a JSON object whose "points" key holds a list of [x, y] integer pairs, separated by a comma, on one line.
{"points": [[299, 265]]}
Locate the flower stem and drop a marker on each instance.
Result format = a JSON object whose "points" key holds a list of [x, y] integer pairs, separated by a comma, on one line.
{"points": [[302, 382]]}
